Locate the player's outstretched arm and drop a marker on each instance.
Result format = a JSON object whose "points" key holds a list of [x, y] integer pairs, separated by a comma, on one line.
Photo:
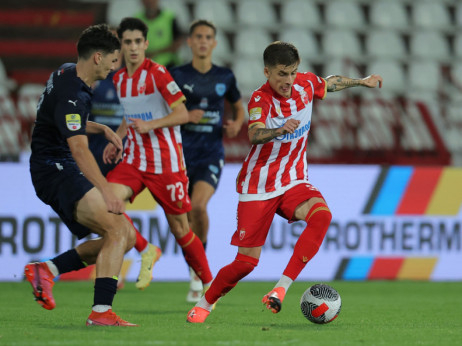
{"points": [[337, 83]]}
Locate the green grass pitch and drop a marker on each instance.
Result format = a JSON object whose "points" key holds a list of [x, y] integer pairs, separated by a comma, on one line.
{"points": [[373, 313]]}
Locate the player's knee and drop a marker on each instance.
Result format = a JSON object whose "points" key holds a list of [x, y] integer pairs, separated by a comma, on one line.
{"points": [[319, 214], [324, 217], [120, 229], [247, 263], [131, 237], [318, 220], [198, 209]]}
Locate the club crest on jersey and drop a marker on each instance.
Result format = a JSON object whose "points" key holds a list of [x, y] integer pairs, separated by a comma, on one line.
{"points": [[255, 113], [141, 88], [220, 88], [241, 234], [73, 122], [278, 110]]}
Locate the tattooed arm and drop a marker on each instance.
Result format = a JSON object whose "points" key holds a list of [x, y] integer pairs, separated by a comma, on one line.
{"points": [[337, 83], [259, 134]]}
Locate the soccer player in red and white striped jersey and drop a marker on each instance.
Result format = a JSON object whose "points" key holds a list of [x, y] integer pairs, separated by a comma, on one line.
{"points": [[153, 155], [273, 178]]}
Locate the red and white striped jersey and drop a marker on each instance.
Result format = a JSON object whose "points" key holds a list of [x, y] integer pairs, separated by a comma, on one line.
{"points": [[151, 93], [272, 168]]}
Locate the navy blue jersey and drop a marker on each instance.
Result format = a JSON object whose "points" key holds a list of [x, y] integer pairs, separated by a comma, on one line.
{"points": [[62, 112], [207, 91], [105, 105], [105, 109]]}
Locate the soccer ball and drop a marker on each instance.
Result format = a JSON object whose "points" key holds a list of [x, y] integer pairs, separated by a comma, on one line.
{"points": [[320, 304]]}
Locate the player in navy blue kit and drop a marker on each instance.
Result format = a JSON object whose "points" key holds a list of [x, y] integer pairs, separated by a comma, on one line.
{"points": [[206, 86], [66, 176]]}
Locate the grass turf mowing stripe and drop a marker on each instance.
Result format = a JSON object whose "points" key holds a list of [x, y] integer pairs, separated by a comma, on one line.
{"points": [[373, 313]]}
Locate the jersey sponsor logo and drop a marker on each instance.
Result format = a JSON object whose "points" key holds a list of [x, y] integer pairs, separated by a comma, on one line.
{"points": [[188, 87], [255, 113], [257, 98], [220, 89], [73, 102], [297, 133], [204, 103], [73, 122], [173, 88], [143, 116]]}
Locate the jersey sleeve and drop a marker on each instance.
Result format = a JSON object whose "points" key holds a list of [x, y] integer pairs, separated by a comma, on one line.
{"points": [[319, 84], [70, 115], [170, 91], [258, 108], [233, 94]]}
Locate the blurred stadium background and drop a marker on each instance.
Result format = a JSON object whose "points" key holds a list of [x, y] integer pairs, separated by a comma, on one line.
{"points": [[415, 120], [415, 44]]}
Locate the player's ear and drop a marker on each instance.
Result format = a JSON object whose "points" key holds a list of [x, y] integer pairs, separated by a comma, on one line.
{"points": [[97, 57], [266, 71]]}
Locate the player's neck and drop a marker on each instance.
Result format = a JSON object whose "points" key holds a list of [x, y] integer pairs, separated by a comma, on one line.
{"points": [[131, 68], [202, 65], [85, 73]]}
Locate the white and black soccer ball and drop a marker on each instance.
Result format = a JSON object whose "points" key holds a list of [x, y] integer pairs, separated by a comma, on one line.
{"points": [[320, 304]]}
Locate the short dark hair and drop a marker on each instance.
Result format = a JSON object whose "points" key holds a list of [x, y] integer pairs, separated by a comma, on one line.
{"points": [[97, 38], [130, 23], [280, 53], [200, 22]]}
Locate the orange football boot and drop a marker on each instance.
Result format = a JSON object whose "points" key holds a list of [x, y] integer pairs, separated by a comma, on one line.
{"points": [[273, 300], [197, 315], [107, 318], [41, 279]]}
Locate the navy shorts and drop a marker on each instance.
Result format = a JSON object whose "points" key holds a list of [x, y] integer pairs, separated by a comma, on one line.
{"points": [[60, 184], [206, 171]]}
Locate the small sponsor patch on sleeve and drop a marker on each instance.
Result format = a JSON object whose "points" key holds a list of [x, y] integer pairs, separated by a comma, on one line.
{"points": [[73, 122], [173, 88], [255, 113]]}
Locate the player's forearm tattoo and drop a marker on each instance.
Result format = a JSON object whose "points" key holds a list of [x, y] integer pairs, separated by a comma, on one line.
{"points": [[336, 83], [262, 136]]}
